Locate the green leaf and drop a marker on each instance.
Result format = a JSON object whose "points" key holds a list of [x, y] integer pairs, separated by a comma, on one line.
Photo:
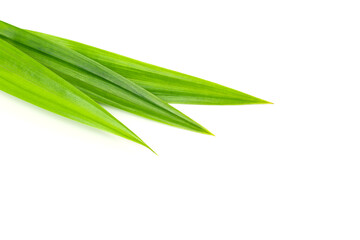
{"points": [[141, 97], [27, 79], [171, 86], [94, 86]]}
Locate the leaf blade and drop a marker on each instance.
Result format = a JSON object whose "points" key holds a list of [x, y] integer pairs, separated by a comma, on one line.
{"points": [[171, 86], [74, 58], [95, 87], [25, 78]]}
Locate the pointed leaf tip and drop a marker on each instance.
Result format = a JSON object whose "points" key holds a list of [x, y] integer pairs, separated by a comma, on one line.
{"points": [[27, 79], [171, 86]]}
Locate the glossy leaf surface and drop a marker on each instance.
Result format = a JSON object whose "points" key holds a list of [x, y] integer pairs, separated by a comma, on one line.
{"points": [[153, 105], [25, 78], [171, 86]]}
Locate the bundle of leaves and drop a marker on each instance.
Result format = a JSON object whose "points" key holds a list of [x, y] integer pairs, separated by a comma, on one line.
{"points": [[71, 79]]}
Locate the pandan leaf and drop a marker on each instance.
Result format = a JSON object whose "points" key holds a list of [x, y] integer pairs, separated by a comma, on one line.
{"points": [[171, 86], [94, 86], [27, 79], [147, 101]]}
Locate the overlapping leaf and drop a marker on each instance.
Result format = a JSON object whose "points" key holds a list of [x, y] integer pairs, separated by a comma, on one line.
{"points": [[25, 78], [171, 86], [94, 86], [148, 104]]}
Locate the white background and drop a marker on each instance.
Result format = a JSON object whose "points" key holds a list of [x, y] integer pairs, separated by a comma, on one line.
{"points": [[285, 171]]}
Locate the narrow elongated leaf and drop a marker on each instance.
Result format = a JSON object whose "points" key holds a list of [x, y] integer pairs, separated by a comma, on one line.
{"points": [[146, 100], [171, 86], [25, 78], [94, 86]]}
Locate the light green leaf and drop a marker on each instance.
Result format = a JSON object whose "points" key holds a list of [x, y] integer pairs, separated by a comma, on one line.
{"points": [[94, 86], [144, 99], [171, 86], [27, 79]]}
